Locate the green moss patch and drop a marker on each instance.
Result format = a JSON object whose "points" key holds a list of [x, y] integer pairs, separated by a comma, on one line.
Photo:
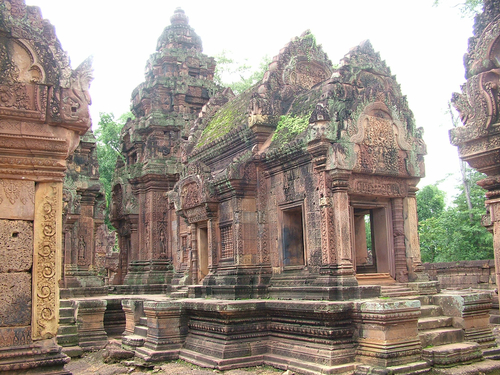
{"points": [[229, 117]]}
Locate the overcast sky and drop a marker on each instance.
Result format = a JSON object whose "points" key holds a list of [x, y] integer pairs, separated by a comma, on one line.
{"points": [[423, 45]]}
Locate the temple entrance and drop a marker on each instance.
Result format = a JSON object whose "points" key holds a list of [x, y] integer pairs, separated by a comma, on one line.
{"points": [[202, 251], [293, 237], [372, 238]]}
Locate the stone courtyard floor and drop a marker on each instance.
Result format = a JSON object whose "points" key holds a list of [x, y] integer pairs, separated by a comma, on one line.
{"points": [[93, 364]]}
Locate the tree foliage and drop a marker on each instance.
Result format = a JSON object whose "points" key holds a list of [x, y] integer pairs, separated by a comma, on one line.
{"points": [[430, 202], [108, 150], [450, 234], [468, 8], [238, 76]]}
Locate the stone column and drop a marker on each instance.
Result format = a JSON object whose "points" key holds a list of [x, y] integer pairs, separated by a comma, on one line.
{"points": [[494, 206], [194, 254], [328, 252], [412, 243], [399, 240], [341, 224], [492, 184], [134, 250]]}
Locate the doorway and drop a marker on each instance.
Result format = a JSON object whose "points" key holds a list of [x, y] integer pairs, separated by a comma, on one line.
{"points": [[293, 237], [372, 238], [202, 252]]}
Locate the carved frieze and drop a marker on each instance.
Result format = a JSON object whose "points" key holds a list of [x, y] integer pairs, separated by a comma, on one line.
{"points": [[17, 199], [23, 101], [304, 74], [190, 195], [378, 186]]}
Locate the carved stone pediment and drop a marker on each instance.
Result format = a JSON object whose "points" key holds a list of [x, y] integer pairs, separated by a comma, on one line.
{"points": [[383, 145], [304, 73], [479, 102], [194, 198]]}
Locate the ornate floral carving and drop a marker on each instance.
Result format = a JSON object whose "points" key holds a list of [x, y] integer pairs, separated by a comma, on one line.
{"points": [[47, 234], [190, 195]]}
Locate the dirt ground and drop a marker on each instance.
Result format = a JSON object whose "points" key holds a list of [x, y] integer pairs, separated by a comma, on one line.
{"points": [[93, 364]]}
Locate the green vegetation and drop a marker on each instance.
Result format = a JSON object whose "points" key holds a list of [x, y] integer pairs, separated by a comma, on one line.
{"points": [[454, 233], [430, 202], [289, 126], [229, 117], [108, 150], [247, 76], [469, 8]]}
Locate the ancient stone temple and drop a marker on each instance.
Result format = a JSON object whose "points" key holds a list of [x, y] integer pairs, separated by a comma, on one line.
{"points": [[284, 183], [254, 202], [43, 112], [179, 81], [83, 221], [273, 220], [280, 186], [478, 140]]}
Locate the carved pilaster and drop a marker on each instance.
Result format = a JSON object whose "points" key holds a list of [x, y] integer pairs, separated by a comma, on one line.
{"points": [[194, 254], [412, 243], [340, 224], [399, 240], [46, 259]]}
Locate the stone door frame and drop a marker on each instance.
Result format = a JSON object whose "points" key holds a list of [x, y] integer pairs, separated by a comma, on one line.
{"points": [[381, 218]]}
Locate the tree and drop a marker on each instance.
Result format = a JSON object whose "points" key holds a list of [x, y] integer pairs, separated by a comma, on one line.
{"points": [[469, 8], [430, 202], [452, 235], [246, 76], [108, 150]]}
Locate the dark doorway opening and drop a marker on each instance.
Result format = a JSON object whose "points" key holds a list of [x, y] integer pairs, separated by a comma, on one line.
{"points": [[293, 237]]}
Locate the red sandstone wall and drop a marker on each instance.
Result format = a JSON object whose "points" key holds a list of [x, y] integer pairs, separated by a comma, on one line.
{"points": [[464, 274]]}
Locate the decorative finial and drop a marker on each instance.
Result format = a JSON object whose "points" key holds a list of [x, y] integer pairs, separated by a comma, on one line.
{"points": [[179, 17]]}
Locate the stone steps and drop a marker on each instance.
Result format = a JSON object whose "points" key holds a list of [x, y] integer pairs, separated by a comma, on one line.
{"points": [[433, 322], [441, 336], [396, 291], [431, 310], [67, 332], [452, 354], [132, 342], [141, 331], [179, 291], [436, 329]]}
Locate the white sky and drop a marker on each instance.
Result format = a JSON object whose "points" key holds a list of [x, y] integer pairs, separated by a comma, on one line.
{"points": [[422, 44]]}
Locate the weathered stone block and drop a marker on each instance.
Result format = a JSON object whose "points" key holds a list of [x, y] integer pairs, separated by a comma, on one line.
{"points": [[90, 323], [388, 332], [16, 245], [471, 313], [15, 336], [15, 299], [17, 199]]}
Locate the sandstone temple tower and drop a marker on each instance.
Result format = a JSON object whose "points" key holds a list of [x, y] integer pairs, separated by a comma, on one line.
{"points": [[179, 82]]}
